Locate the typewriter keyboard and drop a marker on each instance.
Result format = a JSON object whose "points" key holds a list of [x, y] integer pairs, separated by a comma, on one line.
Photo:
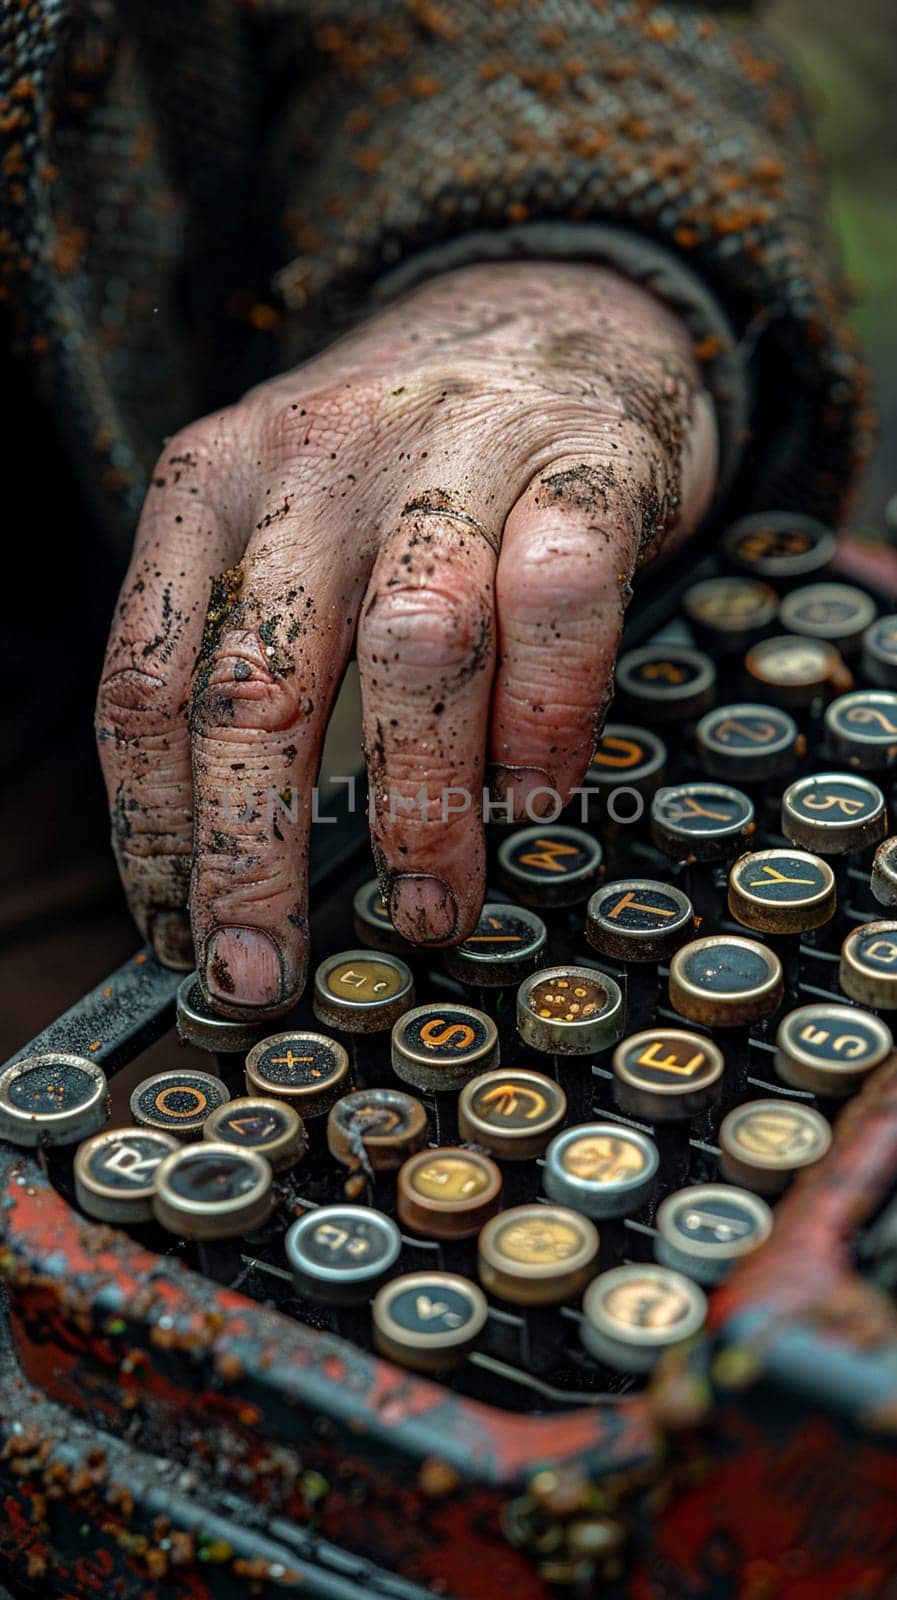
{"points": [[522, 1165]]}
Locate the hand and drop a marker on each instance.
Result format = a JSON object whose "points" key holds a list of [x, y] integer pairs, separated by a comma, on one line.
{"points": [[467, 483]]}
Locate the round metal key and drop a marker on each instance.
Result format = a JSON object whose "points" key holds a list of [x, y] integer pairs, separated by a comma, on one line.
{"points": [[868, 969], [633, 1313], [879, 662], [603, 1169], [780, 546], [763, 1143], [199, 1024], [861, 729], [550, 866], [442, 1047], [52, 1099], [725, 981], [537, 1255], [376, 1129], [701, 821], [835, 611], [372, 922], [745, 743], [340, 1255], [308, 1070], [429, 1321], [570, 1011], [115, 1173], [506, 944], [270, 1127], [665, 682], [178, 1102], [727, 613], [213, 1191], [830, 1049], [705, 1230], [794, 671], [831, 813], [667, 1074], [627, 757], [513, 1113], [639, 919], [448, 1193], [362, 993], [781, 891], [884, 872]]}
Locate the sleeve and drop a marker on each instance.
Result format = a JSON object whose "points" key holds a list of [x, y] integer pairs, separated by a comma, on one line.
{"points": [[672, 142]]}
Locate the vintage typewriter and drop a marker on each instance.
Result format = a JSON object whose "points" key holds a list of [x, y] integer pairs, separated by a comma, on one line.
{"points": [[560, 1262]]}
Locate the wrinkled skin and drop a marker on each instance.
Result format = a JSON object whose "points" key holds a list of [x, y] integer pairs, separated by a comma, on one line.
{"points": [[461, 489]]}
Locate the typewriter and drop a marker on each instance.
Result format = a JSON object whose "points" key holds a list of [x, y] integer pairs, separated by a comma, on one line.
{"points": [[559, 1263]]}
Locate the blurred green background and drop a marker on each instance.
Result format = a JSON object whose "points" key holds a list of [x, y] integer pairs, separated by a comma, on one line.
{"points": [[846, 51]]}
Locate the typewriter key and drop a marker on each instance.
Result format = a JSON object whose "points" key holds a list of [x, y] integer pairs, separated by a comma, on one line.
{"points": [[115, 1173], [52, 1099], [308, 1070], [704, 1230], [861, 729], [833, 812], [376, 1129], [884, 872], [213, 1191], [778, 545], [428, 1320], [667, 1074], [504, 947], [200, 1025], [361, 993], [664, 682], [178, 1102], [638, 919], [794, 671], [627, 757], [868, 969], [442, 1047], [781, 891], [448, 1193], [725, 981], [537, 1255], [270, 1127], [604, 1169], [341, 1255], [701, 821], [513, 1113], [880, 653], [746, 743], [829, 1049], [634, 1313], [764, 1142], [372, 922], [835, 611], [726, 613], [570, 1011], [551, 866]]}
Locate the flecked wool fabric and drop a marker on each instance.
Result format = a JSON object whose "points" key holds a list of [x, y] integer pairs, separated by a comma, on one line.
{"points": [[197, 195]]}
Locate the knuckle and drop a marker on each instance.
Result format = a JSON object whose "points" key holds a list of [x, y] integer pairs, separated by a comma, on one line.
{"points": [[424, 628], [133, 703], [237, 692], [572, 575], [318, 423]]}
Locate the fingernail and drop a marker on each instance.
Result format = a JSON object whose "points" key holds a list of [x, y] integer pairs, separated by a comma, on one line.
{"points": [[529, 789], [423, 909], [243, 967], [172, 940]]}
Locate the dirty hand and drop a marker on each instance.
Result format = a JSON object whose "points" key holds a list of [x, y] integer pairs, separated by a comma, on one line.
{"points": [[461, 488]]}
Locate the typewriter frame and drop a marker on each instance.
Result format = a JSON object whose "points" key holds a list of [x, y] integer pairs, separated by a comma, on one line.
{"points": [[162, 1436]]}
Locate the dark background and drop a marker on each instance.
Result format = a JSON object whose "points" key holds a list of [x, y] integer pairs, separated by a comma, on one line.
{"points": [[62, 920]]}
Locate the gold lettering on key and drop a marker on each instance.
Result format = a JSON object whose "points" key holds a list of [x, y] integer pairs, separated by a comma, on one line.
{"points": [[690, 807], [506, 1098], [846, 1044], [759, 735], [628, 902], [335, 1238], [669, 1063], [664, 669], [864, 716], [774, 876], [427, 1309], [458, 1034], [631, 753], [843, 803], [548, 854], [884, 951], [130, 1164]]}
